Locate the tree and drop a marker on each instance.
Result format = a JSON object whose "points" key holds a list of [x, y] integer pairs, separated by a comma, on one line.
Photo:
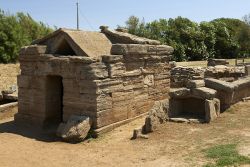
{"points": [[17, 31], [220, 38], [226, 45]]}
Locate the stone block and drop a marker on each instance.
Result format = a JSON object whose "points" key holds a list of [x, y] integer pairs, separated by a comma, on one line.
{"points": [[219, 85], [149, 80], [112, 58], [164, 50], [195, 84], [212, 109], [129, 49], [75, 130], [114, 115], [157, 115], [116, 70], [33, 50], [179, 93], [203, 92]]}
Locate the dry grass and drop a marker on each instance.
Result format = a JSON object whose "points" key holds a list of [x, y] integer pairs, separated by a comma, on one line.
{"points": [[8, 75]]}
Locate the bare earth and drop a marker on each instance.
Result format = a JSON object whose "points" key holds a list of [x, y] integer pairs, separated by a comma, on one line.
{"points": [[8, 75], [172, 145]]}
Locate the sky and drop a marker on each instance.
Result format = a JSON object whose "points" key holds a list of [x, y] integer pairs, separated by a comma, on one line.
{"points": [[93, 13]]}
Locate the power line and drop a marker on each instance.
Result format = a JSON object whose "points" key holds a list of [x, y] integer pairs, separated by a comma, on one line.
{"points": [[86, 20]]}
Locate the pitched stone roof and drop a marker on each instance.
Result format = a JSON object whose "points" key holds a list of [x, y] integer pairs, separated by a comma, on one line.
{"points": [[88, 43], [83, 43]]}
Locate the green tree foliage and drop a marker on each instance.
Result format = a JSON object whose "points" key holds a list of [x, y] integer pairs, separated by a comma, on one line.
{"points": [[17, 31], [220, 38]]}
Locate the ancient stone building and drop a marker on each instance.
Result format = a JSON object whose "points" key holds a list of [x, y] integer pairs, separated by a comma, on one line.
{"points": [[109, 76]]}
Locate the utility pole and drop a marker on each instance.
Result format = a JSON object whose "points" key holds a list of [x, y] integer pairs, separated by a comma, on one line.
{"points": [[77, 15]]}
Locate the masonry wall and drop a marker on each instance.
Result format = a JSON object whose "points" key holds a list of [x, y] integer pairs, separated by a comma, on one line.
{"points": [[138, 76], [116, 87]]}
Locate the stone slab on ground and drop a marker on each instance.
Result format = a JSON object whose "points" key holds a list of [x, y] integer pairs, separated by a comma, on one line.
{"points": [[157, 115], [75, 130]]}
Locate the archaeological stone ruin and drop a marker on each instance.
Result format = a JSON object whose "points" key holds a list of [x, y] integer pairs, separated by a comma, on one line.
{"points": [[198, 94], [78, 80], [80, 83]]}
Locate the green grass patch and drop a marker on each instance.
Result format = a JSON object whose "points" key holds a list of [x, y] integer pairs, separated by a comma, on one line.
{"points": [[225, 155]]}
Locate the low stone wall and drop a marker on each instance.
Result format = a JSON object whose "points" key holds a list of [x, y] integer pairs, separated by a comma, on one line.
{"points": [[180, 76], [225, 72], [230, 92]]}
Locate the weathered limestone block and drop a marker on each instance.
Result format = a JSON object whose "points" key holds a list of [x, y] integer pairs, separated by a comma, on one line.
{"points": [[149, 80], [80, 59], [219, 85], [157, 115], [75, 130], [33, 50], [129, 49], [88, 87], [104, 102], [94, 71], [33, 82], [225, 91], [179, 93], [126, 38], [203, 92], [131, 66], [112, 58], [132, 73], [12, 97], [195, 84], [164, 50], [212, 109], [116, 70], [214, 62], [109, 85], [247, 68], [222, 71], [111, 116], [242, 83]]}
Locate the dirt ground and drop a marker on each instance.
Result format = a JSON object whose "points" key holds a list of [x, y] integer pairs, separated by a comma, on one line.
{"points": [[8, 75], [172, 144]]}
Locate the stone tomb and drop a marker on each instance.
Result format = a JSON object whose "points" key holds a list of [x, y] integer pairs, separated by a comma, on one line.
{"points": [[110, 77], [197, 104]]}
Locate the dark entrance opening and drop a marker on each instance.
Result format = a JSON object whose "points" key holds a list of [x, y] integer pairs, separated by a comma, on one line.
{"points": [[64, 48], [190, 108], [54, 101]]}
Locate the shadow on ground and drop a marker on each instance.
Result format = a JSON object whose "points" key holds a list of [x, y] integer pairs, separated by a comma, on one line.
{"points": [[45, 136]]}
